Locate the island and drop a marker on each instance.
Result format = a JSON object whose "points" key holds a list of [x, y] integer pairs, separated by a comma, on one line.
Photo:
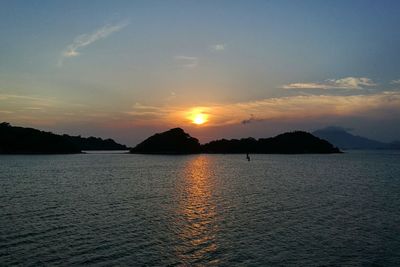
{"points": [[21, 140], [177, 141], [174, 141]]}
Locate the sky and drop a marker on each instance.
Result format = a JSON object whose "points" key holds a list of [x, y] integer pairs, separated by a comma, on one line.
{"points": [[128, 69]]}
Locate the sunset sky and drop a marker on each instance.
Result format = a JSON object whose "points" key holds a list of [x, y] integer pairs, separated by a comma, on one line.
{"points": [[127, 69]]}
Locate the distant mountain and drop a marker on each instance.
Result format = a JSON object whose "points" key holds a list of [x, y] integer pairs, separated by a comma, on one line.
{"points": [[176, 141], [20, 140], [341, 138]]}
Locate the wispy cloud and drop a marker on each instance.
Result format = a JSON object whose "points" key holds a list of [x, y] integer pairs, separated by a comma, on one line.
{"points": [[171, 96], [344, 83], [37, 100], [36, 110], [141, 112], [187, 62], [218, 47], [84, 40], [251, 119], [395, 81], [295, 108]]}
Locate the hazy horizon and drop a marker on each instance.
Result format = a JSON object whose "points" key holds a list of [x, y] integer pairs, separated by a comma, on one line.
{"points": [[218, 69]]}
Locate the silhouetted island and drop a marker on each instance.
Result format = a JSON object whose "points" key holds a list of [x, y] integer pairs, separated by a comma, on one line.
{"points": [[20, 140], [176, 141], [297, 142]]}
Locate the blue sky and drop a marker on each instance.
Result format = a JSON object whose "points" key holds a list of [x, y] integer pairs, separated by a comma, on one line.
{"points": [[125, 69]]}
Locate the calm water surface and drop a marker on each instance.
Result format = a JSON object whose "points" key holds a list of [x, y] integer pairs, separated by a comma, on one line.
{"points": [[121, 209]]}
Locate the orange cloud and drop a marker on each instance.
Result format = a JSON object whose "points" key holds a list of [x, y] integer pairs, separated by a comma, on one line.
{"points": [[292, 107], [36, 110]]}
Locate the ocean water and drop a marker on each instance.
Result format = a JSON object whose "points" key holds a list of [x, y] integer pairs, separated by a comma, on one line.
{"points": [[214, 210]]}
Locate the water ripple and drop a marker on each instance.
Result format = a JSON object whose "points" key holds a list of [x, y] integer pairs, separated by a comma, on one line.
{"points": [[214, 210]]}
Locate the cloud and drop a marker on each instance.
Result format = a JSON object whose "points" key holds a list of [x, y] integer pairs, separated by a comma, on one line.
{"points": [[37, 110], [250, 119], [139, 108], [395, 81], [171, 96], [25, 99], [295, 108], [187, 62], [218, 47], [344, 83], [84, 40]]}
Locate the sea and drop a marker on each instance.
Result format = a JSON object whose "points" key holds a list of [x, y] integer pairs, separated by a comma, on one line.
{"points": [[119, 209]]}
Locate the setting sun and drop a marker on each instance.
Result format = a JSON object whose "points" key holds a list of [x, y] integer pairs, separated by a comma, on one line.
{"points": [[199, 118]]}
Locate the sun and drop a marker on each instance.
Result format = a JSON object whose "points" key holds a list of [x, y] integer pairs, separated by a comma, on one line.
{"points": [[199, 118], [198, 115]]}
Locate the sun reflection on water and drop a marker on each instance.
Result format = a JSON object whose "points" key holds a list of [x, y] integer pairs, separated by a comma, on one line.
{"points": [[197, 215]]}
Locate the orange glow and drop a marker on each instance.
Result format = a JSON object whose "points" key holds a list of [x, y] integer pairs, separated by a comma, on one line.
{"points": [[199, 119], [196, 212], [197, 116]]}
